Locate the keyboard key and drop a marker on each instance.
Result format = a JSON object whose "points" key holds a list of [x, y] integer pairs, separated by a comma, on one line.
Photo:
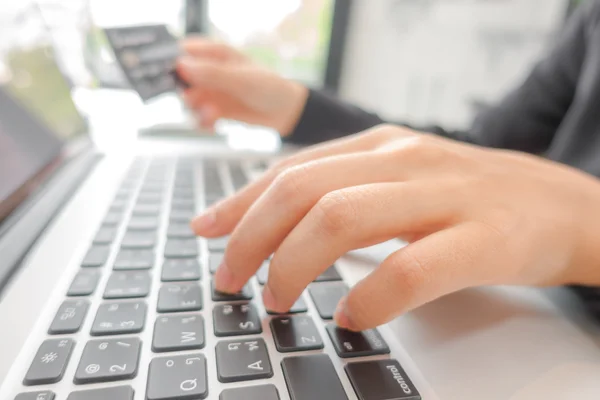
{"points": [[218, 244], [181, 248], [238, 176], [236, 319], [312, 377], [382, 379], [142, 210], [183, 193], [326, 297], [243, 360], [177, 378], [113, 393], [298, 307], [262, 392], [127, 285], [43, 395], [178, 230], [143, 223], [330, 274], [108, 360], [178, 332], [119, 318], [263, 273], [295, 333], [183, 203], [134, 259], [139, 240], [180, 297], [245, 294], [214, 260], [105, 235], [50, 362], [150, 198], [96, 256], [84, 283], [357, 344], [181, 269], [112, 219], [69, 317], [182, 216]]}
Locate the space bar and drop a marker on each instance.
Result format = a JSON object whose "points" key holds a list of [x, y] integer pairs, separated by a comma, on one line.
{"points": [[312, 377]]}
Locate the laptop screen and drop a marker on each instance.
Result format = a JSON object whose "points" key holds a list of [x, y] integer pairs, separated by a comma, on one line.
{"points": [[37, 113]]}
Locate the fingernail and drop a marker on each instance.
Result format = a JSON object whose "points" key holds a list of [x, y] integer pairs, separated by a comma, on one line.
{"points": [[268, 299], [341, 316], [224, 279], [205, 222]]}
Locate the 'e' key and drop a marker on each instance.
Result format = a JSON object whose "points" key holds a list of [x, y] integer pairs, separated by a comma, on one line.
{"points": [[177, 377]]}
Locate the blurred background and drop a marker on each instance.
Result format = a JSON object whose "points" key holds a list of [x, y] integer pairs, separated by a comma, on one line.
{"points": [[418, 61]]}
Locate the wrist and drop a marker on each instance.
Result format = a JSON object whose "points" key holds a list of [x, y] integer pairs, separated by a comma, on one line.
{"points": [[296, 97], [585, 267]]}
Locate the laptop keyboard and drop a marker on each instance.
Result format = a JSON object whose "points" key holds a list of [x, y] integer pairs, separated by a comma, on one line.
{"points": [[145, 271]]}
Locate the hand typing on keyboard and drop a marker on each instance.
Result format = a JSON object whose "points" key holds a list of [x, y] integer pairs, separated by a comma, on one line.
{"points": [[471, 216]]}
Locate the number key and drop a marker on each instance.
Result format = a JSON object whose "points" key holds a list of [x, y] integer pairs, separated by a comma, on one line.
{"points": [[119, 318], [127, 284], [108, 360]]}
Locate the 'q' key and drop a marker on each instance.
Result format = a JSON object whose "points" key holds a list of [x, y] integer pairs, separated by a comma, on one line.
{"points": [[177, 377]]}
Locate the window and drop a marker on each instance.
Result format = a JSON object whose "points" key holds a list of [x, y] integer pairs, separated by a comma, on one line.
{"points": [[291, 37]]}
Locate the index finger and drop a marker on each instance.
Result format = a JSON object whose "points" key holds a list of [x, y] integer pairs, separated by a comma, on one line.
{"points": [[223, 217]]}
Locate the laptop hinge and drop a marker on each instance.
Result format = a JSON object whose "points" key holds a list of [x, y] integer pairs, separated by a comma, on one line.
{"points": [[28, 222]]}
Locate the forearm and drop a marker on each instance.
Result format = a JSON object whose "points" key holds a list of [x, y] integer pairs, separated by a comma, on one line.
{"points": [[325, 117]]}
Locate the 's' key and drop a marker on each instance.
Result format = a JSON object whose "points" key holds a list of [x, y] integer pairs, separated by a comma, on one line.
{"points": [[312, 377], [177, 378], [236, 319], [382, 379], [50, 362]]}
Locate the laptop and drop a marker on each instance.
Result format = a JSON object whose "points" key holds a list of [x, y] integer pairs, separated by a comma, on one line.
{"points": [[107, 294]]}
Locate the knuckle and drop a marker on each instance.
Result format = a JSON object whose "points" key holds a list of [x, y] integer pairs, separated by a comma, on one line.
{"points": [[336, 214], [422, 147], [289, 184]]}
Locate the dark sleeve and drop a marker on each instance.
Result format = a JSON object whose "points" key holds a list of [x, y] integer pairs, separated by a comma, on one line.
{"points": [[524, 120], [528, 117]]}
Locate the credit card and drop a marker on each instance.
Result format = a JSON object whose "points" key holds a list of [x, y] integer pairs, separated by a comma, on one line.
{"points": [[147, 55]]}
